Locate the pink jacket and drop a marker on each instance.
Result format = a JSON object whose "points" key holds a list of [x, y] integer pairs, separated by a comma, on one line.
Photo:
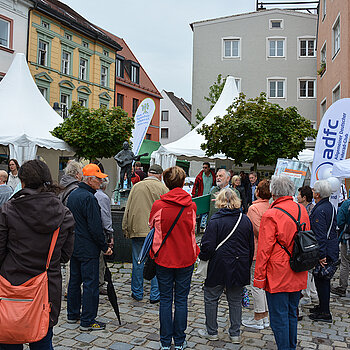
{"points": [[255, 212]]}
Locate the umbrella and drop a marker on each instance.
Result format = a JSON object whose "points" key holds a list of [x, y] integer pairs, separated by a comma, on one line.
{"points": [[146, 247], [112, 297]]}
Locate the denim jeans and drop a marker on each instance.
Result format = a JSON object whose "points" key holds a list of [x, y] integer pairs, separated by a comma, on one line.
{"points": [[137, 272], [173, 283], [283, 318], [43, 344], [84, 272], [323, 288], [211, 301]]}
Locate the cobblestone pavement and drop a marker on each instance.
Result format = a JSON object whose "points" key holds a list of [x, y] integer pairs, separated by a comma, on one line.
{"points": [[140, 324]]}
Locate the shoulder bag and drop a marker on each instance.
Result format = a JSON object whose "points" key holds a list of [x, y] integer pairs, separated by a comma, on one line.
{"points": [[25, 309], [149, 269], [202, 268]]}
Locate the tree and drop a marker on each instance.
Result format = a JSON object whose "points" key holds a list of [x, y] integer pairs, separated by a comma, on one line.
{"points": [[214, 94], [257, 131], [95, 133]]}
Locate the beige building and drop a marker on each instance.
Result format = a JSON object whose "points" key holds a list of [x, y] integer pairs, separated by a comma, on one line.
{"points": [[333, 58]]}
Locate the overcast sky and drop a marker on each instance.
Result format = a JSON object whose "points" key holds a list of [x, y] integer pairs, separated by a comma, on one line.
{"points": [[158, 32]]}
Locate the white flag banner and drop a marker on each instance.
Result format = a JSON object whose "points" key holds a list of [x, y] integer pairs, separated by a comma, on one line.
{"points": [[332, 140], [143, 118]]}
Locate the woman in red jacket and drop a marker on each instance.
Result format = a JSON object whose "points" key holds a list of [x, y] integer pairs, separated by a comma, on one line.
{"points": [[272, 270], [176, 257]]}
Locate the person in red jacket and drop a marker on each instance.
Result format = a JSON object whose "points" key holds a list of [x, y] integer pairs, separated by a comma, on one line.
{"points": [[176, 258], [272, 270], [204, 181]]}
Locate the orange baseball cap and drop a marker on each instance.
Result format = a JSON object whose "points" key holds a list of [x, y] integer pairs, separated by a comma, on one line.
{"points": [[93, 170]]}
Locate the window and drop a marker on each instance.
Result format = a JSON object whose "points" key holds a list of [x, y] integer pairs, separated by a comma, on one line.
{"points": [[323, 108], [135, 74], [85, 44], [104, 76], [45, 24], [43, 52], [164, 133], [275, 23], [276, 88], [323, 53], [4, 33], [307, 48], [307, 88], [148, 136], [336, 93], [276, 47], [105, 53], [83, 69], [324, 9], [336, 37], [231, 48], [68, 36], [83, 102], [64, 105], [103, 105], [119, 63], [238, 84], [43, 91], [135, 104], [65, 62], [120, 100], [165, 116]]}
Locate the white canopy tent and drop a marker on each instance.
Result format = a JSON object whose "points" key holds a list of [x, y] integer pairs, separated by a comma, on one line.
{"points": [[25, 115], [188, 146]]}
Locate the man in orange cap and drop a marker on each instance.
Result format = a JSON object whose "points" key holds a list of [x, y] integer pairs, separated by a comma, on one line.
{"points": [[89, 241]]}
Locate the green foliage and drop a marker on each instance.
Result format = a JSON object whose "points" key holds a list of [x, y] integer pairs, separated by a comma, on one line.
{"points": [[257, 131], [95, 133], [214, 94]]}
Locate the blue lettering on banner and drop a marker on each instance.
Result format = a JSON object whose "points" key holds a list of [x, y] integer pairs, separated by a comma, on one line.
{"points": [[342, 140]]}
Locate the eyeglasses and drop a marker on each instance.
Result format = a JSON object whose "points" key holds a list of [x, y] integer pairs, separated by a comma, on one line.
{"points": [[205, 167]]}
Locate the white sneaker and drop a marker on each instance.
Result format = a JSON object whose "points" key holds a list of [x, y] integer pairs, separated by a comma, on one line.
{"points": [[252, 323], [266, 322], [235, 339], [204, 334]]}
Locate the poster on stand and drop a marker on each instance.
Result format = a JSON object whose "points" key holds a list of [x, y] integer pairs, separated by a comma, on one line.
{"points": [[294, 169]]}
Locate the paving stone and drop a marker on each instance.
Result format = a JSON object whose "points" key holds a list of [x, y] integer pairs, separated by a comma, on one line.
{"points": [[86, 337]]}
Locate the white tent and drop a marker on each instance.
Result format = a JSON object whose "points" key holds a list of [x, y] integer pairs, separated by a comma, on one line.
{"points": [[26, 118], [189, 145]]}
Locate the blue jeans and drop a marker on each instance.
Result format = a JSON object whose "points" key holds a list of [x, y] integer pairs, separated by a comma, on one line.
{"points": [[84, 272], [170, 281], [43, 344], [283, 318], [137, 272]]}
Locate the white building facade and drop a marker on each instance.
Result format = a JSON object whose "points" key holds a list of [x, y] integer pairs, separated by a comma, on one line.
{"points": [[175, 117], [270, 51], [13, 30]]}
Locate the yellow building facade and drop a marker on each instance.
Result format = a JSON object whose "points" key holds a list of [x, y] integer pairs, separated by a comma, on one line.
{"points": [[70, 61]]}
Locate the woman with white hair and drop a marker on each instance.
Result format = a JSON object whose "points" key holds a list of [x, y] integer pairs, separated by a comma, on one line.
{"points": [[272, 269], [323, 221], [229, 265]]}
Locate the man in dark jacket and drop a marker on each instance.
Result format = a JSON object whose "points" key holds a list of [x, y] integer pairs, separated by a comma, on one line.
{"points": [[89, 241], [253, 183], [70, 180]]}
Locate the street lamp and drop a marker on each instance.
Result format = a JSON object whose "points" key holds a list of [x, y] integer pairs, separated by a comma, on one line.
{"points": [[61, 110]]}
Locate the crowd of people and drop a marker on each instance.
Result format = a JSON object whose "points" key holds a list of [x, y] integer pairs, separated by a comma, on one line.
{"points": [[250, 218]]}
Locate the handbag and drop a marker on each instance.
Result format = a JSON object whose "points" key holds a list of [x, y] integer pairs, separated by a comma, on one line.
{"points": [[202, 268], [149, 269], [25, 309]]}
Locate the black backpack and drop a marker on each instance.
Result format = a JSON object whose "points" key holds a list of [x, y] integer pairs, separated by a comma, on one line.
{"points": [[305, 254]]}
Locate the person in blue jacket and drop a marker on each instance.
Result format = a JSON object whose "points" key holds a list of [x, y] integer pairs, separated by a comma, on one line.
{"points": [[89, 241], [229, 266], [343, 220], [323, 220]]}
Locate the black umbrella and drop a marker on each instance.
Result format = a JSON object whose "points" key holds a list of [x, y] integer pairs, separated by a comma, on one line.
{"points": [[112, 296]]}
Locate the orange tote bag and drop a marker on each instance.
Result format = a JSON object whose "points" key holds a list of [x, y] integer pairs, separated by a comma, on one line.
{"points": [[25, 309]]}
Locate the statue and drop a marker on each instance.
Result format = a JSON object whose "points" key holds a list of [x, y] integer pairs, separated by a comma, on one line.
{"points": [[124, 159]]}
